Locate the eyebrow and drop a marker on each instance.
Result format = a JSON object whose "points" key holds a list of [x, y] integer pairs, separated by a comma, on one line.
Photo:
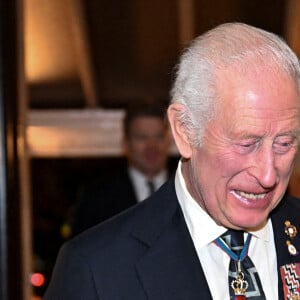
{"points": [[248, 136], [295, 133]]}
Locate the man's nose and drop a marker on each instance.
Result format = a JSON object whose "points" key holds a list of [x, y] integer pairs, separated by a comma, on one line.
{"points": [[264, 168]]}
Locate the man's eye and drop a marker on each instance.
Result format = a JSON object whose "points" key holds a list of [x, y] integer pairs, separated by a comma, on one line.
{"points": [[246, 147], [283, 146]]}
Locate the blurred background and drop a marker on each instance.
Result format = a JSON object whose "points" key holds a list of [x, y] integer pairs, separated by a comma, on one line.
{"points": [[69, 69]]}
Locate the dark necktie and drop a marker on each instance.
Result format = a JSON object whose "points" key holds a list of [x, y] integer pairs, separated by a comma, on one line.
{"points": [[151, 187], [244, 282]]}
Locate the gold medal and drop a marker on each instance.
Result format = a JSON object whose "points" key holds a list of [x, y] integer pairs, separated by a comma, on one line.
{"points": [[290, 229], [292, 249], [239, 285]]}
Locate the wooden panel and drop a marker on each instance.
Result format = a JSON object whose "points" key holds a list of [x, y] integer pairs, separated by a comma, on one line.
{"points": [[292, 29], [292, 26], [71, 133], [186, 13], [83, 51], [75, 133]]}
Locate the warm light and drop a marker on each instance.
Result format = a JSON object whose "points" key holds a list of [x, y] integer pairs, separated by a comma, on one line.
{"points": [[37, 279], [49, 46]]}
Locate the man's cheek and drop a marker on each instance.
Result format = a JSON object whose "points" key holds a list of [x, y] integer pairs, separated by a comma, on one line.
{"points": [[229, 162]]}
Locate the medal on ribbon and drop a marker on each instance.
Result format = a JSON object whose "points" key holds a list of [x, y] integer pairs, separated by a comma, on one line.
{"points": [[239, 285], [291, 231]]}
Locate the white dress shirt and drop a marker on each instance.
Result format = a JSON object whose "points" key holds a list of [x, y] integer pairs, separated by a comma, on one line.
{"points": [[214, 260], [140, 182]]}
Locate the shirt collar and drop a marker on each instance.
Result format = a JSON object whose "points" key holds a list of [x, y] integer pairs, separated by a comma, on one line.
{"points": [[140, 178], [202, 227], [139, 181]]}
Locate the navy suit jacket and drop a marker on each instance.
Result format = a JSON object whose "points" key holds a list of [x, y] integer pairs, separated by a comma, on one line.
{"points": [[103, 199], [147, 253]]}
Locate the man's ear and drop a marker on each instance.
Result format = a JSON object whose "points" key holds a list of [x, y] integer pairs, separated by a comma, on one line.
{"points": [[179, 130]]}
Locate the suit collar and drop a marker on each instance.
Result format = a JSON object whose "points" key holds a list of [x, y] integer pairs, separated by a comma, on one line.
{"points": [[158, 212], [169, 268]]}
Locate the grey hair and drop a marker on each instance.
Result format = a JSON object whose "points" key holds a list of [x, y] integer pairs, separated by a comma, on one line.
{"points": [[228, 46]]}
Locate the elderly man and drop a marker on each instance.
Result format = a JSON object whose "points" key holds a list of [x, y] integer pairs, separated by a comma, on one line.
{"points": [[223, 227]]}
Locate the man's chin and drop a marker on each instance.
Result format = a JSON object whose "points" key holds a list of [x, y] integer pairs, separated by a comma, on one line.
{"points": [[248, 222]]}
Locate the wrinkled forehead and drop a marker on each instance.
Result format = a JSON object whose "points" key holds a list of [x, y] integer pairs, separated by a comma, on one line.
{"points": [[257, 77], [249, 96]]}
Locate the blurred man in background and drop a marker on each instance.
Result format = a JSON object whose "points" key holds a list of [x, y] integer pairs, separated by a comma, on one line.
{"points": [[146, 144]]}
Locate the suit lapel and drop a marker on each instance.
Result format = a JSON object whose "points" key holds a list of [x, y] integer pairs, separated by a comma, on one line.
{"points": [[286, 211], [170, 268]]}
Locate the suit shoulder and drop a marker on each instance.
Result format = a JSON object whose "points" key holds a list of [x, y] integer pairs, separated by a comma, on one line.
{"points": [[288, 209], [146, 219], [292, 202], [107, 182]]}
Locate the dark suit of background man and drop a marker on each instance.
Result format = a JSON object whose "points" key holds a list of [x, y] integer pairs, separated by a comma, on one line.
{"points": [[235, 120], [146, 144]]}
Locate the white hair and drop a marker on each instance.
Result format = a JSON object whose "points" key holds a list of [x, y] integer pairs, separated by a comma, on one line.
{"points": [[228, 46]]}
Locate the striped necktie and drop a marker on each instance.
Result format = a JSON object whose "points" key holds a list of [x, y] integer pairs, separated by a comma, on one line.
{"points": [[244, 282]]}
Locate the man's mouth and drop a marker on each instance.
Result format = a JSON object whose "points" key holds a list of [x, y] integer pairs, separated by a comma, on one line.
{"points": [[251, 196]]}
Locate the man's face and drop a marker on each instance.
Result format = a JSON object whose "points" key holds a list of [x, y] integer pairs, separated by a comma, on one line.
{"points": [[242, 170], [147, 145]]}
